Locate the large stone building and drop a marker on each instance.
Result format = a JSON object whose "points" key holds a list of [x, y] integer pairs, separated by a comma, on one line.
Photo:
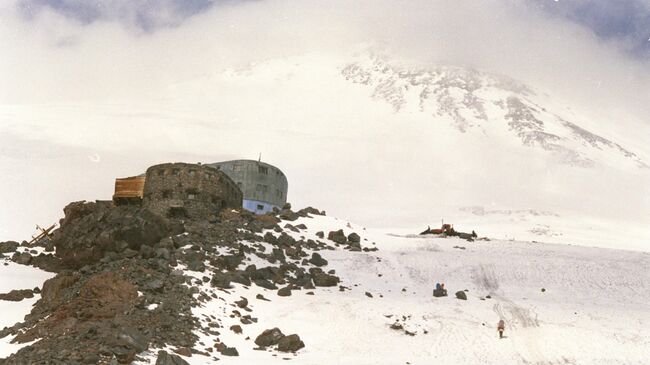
{"points": [[263, 186], [188, 190]]}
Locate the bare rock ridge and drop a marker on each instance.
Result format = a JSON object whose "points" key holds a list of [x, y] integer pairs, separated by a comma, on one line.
{"points": [[128, 280]]}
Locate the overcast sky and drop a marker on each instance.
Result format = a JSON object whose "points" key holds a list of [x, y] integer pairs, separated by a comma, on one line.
{"points": [[79, 78], [624, 21]]}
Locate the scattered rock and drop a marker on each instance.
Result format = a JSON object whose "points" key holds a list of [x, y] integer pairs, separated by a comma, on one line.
{"points": [[323, 279], [169, 359], [8, 246], [261, 297], [243, 302], [317, 260], [183, 351], [220, 280], [17, 295], [269, 337], [354, 238], [461, 295], [23, 258], [229, 351], [337, 236], [291, 343], [285, 292]]}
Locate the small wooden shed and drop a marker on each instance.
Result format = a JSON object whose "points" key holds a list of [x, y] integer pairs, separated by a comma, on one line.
{"points": [[129, 190]]}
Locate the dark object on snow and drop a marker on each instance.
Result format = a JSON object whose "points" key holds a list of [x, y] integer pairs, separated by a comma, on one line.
{"points": [[440, 293], [447, 229], [461, 295], [440, 290]]}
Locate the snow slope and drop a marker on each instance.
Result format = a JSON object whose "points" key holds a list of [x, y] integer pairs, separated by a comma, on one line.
{"points": [[15, 276], [593, 310]]}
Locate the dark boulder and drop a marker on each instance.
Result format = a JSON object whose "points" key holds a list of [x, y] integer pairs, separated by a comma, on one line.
{"points": [[169, 359], [285, 240], [439, 293], [285, 292], [288, 215], [221, 280], [265, 284], [309, 210], [461, 295], [317, 260], [131, 338], [323, 279], [8, 246], [23, 258], [229, 351], [196, 265], [354, 238], [269, 337], [17, 295], [337, 236], [291, 343]]}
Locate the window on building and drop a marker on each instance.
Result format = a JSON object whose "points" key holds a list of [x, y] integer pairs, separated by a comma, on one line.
{"points": [[192, 172], [161, 172], [166, 194], [263, 170], [236, 167], [191, 196], [239, 184], [176, 171], [260, 207], [261, 188]]}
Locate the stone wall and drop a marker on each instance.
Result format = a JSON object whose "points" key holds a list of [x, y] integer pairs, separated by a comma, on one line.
{"points": [[178, 190]]}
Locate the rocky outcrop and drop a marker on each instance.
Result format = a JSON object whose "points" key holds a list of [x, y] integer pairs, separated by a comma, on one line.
{"points": [[127, 282], [92, 230]]}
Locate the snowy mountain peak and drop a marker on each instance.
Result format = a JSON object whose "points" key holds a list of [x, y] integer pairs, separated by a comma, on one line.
{"points": [[477, 102]]}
